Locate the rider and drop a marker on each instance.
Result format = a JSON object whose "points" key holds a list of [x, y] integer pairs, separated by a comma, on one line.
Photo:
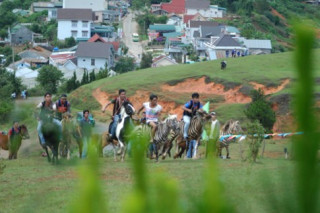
{"points": [[189, 110], [117, 103], [15, 130], [62, 106], [153, 111], [46, 109], [85, 130]]}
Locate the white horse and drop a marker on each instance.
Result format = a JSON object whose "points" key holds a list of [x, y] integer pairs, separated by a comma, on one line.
{"points": [[124, 127]]}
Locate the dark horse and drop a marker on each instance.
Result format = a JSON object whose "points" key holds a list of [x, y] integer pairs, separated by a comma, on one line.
{"points": [[15, 143], [51, 135]]}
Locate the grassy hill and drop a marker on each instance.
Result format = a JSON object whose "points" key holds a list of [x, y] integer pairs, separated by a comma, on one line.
{"points": [[228, 90]]}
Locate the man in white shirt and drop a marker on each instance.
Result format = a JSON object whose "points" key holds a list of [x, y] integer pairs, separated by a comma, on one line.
{"points": [[153, 111]]}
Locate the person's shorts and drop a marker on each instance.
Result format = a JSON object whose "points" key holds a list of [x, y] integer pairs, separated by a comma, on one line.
{"points": [[156, 122]]}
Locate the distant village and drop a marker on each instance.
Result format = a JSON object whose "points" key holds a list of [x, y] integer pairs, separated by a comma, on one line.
{"points": [[192, 26]]}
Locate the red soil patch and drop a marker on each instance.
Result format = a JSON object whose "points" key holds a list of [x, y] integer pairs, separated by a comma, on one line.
{"points": [[199, 85], [284, 123], [276, 13], [270, 90], [137, 100]]}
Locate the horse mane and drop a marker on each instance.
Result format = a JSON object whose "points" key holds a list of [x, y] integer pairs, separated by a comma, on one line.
{"points": [[231, 127]]}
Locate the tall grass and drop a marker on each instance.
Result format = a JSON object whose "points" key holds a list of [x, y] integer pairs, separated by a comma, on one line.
{"points": [[306, 146]]}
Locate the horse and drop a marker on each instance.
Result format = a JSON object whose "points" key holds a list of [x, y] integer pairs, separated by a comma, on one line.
{"points": [[14, 145], [163, 135], [194, 133], [229, 128], [51, 134], [123, 131], [68, 131]]}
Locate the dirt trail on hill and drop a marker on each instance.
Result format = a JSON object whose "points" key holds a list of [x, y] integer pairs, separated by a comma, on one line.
{"points": [[270, 90]]}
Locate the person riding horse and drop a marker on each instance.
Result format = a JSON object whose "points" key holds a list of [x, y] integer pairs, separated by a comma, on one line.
{"points": [[62, 106], [117, 103]]}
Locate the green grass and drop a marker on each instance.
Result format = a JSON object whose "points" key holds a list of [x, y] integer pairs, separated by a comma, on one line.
{"points": [[30, 184], [265, 69]]}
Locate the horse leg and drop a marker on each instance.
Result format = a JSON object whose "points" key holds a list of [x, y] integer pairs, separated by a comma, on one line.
{"points": [[123, 154], [114, 152], [227, 148], [48, 156], [156, 152]]}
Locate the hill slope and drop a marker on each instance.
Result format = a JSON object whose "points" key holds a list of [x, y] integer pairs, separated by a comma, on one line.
{"points": [[228, 90]]}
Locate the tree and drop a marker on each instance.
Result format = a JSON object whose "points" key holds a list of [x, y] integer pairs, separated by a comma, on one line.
{"points": [[103, 73], [146, 60], [92, 76], [260, 109], [72, 83], [49, 78], [125, 64], [85, 78], [70, 42], [9, 83]]}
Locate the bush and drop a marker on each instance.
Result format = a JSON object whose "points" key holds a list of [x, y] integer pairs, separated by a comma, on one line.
{"points": [[255, 136], [260, 109]]}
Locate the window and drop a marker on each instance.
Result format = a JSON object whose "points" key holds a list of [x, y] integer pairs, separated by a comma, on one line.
{"points": [[84, 24], [54, 13], [84, 34], [93, 62], [97, 18], [74, 34], [74, 23]]}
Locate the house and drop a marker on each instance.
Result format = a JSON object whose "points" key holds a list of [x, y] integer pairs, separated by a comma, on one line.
{"points": [[20, 34], [106, 32], [175, 20], [95, 55], [176, 49], [256, 46], [221, 46], [75, 23], [94, 5], [115, 44], [175, 6], [36, 56], [155, 31], [196, 17], [204, 8], [59, 59], [51, 7], [193, 26], [162, 61]]}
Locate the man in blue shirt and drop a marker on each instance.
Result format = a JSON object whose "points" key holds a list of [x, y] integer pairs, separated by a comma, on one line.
{"points": [[189, 110]]}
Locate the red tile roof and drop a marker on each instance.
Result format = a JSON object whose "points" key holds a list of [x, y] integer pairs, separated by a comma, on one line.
{"points": [[115, 44], [175, 6], [186, 18], [96, 38]]}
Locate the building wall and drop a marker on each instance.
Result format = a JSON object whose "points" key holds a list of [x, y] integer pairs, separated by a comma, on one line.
{"points": [[23, 35], [95, 5], [85, 62], [65, 29], [208, 13]]}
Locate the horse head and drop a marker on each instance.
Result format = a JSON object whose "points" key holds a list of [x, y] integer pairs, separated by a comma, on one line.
{"points": [[127, 108], [24, 132], [172, 122], [204, 116]]}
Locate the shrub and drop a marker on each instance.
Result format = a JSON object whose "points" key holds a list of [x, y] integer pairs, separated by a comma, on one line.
{"points": [[260, 109], [255, 136]]}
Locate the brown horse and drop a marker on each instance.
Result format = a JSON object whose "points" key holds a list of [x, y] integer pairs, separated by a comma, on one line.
{"points": [[14, 144]]}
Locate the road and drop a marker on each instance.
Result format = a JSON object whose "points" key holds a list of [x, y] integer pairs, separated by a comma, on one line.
{"points": [[130, 26]]}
